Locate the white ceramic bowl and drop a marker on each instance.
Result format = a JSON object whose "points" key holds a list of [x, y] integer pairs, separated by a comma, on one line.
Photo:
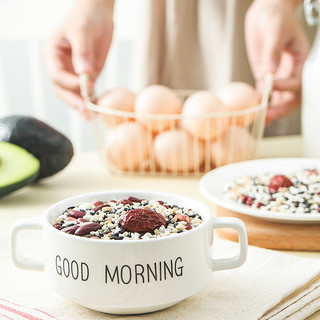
{"points": [[129, 277]]}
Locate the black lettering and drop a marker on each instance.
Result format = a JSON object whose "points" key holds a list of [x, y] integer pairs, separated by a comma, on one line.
{"points": [[122, 274], [157, 271], [58, 265], [178, 270], [154, 274], [74, 266], [165, 268], [84, 271], [139, 273], [115, 274], [66, 267]]}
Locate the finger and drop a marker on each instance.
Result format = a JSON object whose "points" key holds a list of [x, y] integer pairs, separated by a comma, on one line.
{"points": [[282, 103], [82, 52], [57, 57], [271, 54], [289, 84], [73, 99]]}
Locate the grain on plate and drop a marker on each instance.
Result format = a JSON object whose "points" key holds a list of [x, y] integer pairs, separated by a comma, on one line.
{"points": [[296, 193]]}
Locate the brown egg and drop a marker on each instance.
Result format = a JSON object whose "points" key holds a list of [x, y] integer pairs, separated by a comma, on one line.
{"points": [[239, 96], [119, 99], [177, 151], [127, 146], [235, 145], [157, 100], [200, 111]]}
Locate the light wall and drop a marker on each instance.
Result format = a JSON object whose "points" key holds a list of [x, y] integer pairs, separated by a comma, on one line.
{"points": [[25, 87]]}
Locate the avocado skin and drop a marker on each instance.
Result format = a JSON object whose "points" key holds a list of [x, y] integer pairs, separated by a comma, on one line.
{"points": [[52, 148]]}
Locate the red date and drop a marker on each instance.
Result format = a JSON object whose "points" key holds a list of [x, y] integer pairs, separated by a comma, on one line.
{"points": [[142, 220], [279, 181]]}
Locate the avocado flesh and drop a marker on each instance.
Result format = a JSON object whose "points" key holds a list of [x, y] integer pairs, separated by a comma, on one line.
{"points": [[18, 168]]}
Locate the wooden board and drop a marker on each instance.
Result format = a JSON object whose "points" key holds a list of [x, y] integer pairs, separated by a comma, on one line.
{"points": [[273, 235]]}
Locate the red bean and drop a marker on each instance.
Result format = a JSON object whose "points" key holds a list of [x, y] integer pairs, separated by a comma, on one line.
{"points": [[134, 199], [182, 217], [71, 229], [87, 228], [100, 207], [98, 203], [126, 201], [76, 213]]}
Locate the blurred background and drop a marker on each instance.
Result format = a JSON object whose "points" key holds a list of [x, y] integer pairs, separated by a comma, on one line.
{"points": [[25, 87]]}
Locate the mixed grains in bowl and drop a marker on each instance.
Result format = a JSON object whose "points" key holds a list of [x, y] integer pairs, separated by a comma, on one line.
{"points": [[126, 219]]}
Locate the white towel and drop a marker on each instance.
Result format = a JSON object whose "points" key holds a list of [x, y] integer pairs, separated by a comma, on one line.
{"points": [[270, 285]]}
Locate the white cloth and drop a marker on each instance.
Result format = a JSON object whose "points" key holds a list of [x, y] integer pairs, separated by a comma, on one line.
{"points": [[270, 285]]}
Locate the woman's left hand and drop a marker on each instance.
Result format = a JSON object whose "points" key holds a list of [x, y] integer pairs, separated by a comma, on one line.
{"points": [[276, 43]]}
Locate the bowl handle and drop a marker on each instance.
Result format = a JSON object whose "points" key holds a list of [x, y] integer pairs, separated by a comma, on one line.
{"points": [[20, 260], [236, 260]]}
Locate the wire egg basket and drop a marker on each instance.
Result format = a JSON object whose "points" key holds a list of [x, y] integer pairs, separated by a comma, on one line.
{"points": [[171, 149]]}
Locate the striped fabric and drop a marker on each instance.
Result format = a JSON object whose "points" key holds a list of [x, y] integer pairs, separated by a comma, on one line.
{"points": [[13, 311]]}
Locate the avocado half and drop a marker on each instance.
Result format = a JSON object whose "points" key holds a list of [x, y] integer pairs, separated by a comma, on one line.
{"points": [[52, 148], [18, 168]]}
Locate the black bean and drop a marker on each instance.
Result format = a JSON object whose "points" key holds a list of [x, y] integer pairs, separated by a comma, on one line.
{"points": [[68, 225], [108, 230]]}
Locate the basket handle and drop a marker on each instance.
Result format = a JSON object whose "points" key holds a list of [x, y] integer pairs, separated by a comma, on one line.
{"points": [[267, 89], [84, 88], [87, 95]]}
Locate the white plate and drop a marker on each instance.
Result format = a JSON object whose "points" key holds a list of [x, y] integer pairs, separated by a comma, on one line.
{"points": [[212, 186]]}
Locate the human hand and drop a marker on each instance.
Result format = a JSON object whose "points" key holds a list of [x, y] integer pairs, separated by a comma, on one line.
{"points": [[276, 43], [80, 45]]}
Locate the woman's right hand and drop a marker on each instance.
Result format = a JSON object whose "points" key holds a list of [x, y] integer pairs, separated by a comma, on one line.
{"points": [[80, 45]]}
